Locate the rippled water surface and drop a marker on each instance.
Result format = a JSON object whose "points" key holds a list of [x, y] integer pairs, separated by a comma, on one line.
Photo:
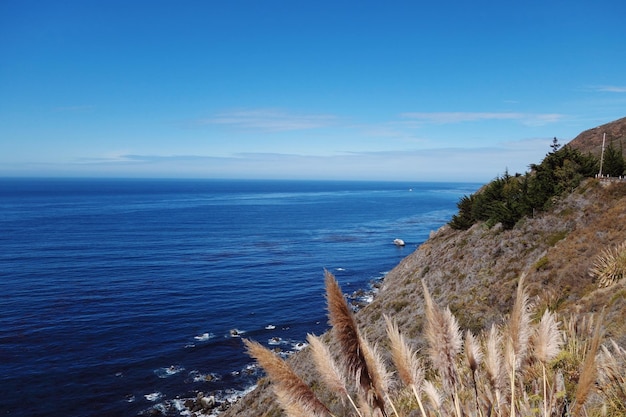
{"points": [[119, 295]]}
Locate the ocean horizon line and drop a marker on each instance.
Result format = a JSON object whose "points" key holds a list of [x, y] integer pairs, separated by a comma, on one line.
{"points": [[215, 179]]}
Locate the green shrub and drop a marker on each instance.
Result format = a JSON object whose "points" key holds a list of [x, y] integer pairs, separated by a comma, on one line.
{"points": [[542, 263], [508, 199], [555, 237]]}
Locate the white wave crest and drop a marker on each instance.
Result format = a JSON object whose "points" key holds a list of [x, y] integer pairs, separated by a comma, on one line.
{"points": [[204, 337], [154, 396], [168, 371]]}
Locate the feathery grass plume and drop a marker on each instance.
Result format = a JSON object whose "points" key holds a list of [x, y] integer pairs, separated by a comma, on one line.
{"points": [[589, 369], [402, 355], [294, 394], [434, 396], [445, 343], [518, 335], [407, 363], [474, 357], [548, 342], [290, 406], [493, 364], [612, 378], [348, 339], [519, 328], [380, 376], [473, 354], [548, 338], [328, 369], [444, 339], [610, 266]]}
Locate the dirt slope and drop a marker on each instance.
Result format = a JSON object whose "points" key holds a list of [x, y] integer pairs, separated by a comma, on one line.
{"points": [[475, 272], [591, 140]]}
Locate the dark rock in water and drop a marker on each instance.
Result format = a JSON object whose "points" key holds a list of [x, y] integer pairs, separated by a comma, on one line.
{"points": [[225, 405]]}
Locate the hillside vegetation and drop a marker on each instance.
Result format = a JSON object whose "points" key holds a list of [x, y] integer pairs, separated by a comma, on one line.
{"points": [[507, 199], [564, 248]]}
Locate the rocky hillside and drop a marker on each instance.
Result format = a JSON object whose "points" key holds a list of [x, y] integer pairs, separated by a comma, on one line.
{"points": [[591, 140], [475, 272]]}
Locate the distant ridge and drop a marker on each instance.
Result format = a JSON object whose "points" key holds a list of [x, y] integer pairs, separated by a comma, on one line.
{"points": [[591, 140]]}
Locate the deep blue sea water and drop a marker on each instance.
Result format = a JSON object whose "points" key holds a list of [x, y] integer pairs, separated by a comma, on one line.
{"points": [[117, 296]]}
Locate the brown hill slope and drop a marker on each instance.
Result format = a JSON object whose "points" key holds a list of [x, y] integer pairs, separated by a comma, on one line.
{"points": [[476, 271], [591, 140]]}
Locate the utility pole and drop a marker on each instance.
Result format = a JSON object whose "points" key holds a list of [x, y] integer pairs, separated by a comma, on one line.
{"points": [[602, 155]]}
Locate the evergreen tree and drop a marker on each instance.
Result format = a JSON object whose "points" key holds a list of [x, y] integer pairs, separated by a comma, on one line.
{"points": [[555, 145], [508, 198], [463, 219], [613, 165]]}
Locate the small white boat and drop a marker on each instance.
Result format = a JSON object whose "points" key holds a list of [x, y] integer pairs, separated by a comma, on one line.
{"points": [[236, 333], [398, 242]]}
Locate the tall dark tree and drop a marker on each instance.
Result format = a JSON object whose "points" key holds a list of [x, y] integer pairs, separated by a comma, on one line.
{"points": [[463, 219], [614, 164], [555, 145]]}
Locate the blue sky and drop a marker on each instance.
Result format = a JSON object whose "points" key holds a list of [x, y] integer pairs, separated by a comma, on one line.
{"points": [[364, 90]]}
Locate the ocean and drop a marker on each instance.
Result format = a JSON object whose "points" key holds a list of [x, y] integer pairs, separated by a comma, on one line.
{"points": [[120, 297]]}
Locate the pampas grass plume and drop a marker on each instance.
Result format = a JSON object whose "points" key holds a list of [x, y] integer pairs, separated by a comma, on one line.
{"points": [[328, 369], [519, 329], [444, 339], [351, 348], [493, 363], [548, 342], [326, 366], [293, 393], [404, 358], [548, 338], [589, 369], [473, 354], [434, 396]]}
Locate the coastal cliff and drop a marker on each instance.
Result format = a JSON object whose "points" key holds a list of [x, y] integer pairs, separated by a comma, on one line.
{"points": [[476, 271]]}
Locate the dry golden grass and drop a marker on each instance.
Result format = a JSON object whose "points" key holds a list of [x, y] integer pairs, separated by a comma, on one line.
{"points": [[551, 370], [475, 273], [355, 356], [612, 377], [295, 396]]}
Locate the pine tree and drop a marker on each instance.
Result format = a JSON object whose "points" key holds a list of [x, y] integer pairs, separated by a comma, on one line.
{"points": [[555, 145], [614, 164]]}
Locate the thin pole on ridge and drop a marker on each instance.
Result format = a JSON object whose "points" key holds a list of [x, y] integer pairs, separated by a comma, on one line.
{"points": [[602, 155]]}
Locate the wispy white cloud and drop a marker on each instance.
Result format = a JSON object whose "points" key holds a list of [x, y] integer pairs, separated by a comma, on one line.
{"points": [[458, 117], [133, 159], [269, 120], [530, 119], [542, 119], [610, 89], [109, 158], [78, 108], [446, 163]]}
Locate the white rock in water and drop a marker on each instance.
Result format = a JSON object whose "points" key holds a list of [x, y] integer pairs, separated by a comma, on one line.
{"points": [[208, 402]]}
